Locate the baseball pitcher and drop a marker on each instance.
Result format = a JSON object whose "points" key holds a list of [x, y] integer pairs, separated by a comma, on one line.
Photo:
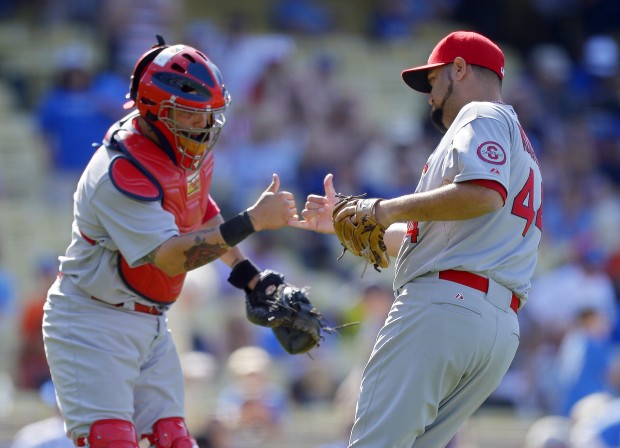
{"points": [[466, 245]]}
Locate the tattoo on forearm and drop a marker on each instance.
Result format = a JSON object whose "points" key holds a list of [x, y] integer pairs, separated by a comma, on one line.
{"points": [[202, 253]]}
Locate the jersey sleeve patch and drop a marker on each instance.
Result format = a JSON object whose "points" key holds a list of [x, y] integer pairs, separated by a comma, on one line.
{"points": [[492, 152], [130, 180]]}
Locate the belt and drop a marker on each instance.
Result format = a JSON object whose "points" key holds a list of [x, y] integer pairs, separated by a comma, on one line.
{"points": [[477, 282], [136, 307]]}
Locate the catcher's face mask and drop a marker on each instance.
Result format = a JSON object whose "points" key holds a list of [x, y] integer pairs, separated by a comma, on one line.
{"points": [[195, 131], [181, 92]]}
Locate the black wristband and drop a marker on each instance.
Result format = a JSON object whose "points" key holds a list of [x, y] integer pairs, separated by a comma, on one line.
{"points": [[237, 229], [242, 273]]}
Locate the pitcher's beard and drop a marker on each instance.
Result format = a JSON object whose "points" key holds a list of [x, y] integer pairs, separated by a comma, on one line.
{"points": [[437, 113], [437, 120]]}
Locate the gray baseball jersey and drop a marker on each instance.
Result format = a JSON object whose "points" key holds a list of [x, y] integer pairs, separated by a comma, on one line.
{"points": [[485, 142], [448, 341], [100, 215]]}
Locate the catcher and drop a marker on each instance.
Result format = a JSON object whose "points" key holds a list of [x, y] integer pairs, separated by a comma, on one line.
{"points": [[143, 218]]}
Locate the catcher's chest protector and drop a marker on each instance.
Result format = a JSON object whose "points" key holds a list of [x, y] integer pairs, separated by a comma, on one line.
{"points": [[146, 173]]}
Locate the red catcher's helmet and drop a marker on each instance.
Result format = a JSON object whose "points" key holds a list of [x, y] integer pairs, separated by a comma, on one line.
{"points": [[168, 79]]}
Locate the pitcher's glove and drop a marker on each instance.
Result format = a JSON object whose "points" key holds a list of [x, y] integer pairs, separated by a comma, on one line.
{"points": [[361, 233], [285, 309]]}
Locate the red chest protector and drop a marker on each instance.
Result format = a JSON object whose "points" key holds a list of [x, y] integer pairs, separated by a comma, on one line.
{"points": [[145, 172]]}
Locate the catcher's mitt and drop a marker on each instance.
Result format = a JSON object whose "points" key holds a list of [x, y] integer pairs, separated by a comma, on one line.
{"points": [[285, 309], [361, 233]]}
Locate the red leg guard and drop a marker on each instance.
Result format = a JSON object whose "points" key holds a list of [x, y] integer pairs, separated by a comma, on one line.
{"points": [[171, 432], [111, 433]]}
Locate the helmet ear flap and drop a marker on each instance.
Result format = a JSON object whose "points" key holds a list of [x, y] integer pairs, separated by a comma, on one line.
{"points": [[142, 64]]}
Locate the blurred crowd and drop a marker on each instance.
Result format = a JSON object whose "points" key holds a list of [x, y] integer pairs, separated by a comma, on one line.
{"points": [[295, 113]]}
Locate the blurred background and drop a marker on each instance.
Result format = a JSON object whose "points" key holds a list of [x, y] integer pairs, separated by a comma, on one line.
{"points": [[316, 88]]}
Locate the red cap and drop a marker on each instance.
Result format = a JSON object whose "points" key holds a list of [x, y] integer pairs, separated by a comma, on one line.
{"points": [[473, 47]]}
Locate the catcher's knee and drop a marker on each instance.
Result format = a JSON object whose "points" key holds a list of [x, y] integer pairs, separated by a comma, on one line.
{"points": [[110, 433], [171, 432]]}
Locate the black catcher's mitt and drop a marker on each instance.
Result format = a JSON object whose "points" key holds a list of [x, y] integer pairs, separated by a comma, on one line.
{"points": [[285, 309]]}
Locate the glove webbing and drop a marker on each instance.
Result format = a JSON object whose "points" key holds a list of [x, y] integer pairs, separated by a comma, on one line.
{"points": [[366, 251], [345, 198]]}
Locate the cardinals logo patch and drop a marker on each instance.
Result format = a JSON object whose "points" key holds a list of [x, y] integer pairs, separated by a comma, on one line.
{"points": [[492, 152]]}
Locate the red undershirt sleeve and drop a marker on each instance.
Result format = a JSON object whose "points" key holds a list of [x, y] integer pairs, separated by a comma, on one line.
{"points": [[493, 185], [212, 210]]}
